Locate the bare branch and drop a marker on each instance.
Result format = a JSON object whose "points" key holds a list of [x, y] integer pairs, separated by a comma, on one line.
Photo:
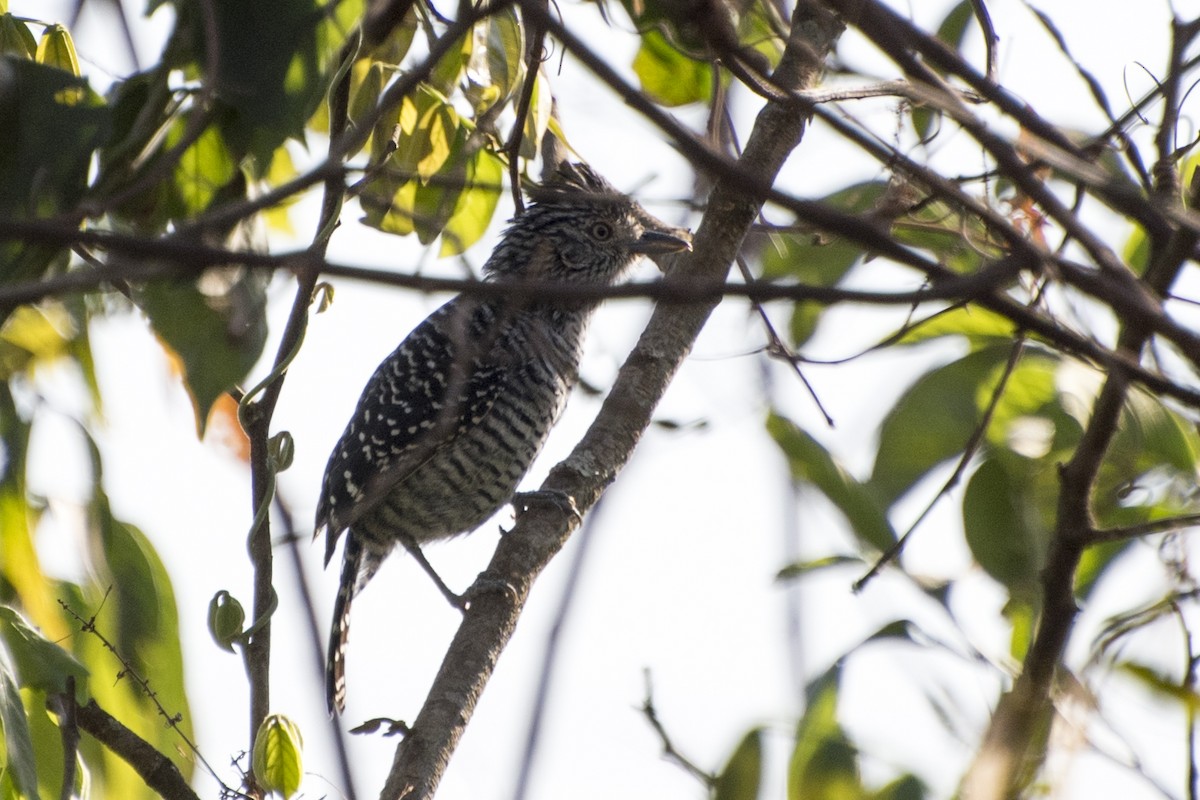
{"points": [[158, 771]]}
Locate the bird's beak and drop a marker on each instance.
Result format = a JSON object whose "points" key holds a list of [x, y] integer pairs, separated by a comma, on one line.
{"points": [[653, 243]]}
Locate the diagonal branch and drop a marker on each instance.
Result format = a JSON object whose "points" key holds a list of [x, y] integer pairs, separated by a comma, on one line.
{"points": [[158, 771], [489, 622]]}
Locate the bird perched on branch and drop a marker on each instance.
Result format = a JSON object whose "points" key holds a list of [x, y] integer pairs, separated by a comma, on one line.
{"points": [[451, 421]]}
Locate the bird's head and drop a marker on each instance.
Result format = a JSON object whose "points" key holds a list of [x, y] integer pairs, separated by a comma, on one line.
{"points": [[581, 229]]}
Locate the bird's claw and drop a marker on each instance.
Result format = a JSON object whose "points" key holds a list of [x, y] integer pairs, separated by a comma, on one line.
{"points": [[489, 582], [565, 503]]}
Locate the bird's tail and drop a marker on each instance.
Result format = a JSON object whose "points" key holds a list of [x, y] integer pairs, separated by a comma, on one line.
{"points": [[339, 634]]}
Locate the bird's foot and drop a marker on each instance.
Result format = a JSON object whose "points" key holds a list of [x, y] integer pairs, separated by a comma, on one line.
{"points": [[489, 581], [565, 503], [459, 601]]}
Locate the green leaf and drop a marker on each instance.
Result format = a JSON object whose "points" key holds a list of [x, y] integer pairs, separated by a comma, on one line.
{"points": [[20, 760], [40, 663], [932, 421], [953, 29], [812, 463], [505, 51], [1136, 252], [277, 761], [756, 29], [1004, 528], [476, 205], [217, 334], [393, 49], [139, 615], [906, 787], [366, 93], [16, 38], [1021, 619], [1029, 392], [824, 764], [817, 258], [50, 127], [978, 325], [204, 169], [423, 184], [434, 201], [19, 565], [742, 775], [33, 336], [1094, 562], [669, 77], [450, 69], [270, 70]]}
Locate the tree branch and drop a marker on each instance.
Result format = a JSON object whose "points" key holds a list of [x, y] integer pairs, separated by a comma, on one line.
{"points": [[158, 771], [1010, 747]]}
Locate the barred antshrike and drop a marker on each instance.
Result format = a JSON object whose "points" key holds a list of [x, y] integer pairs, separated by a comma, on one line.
{"points": [[451, 421]]}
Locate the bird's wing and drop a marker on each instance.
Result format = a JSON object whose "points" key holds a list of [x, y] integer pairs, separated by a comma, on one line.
{"points": [[434, 386]]}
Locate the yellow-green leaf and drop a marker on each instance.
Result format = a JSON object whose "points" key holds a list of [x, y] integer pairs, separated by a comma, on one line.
{"points": [[505, 51], [449, 70], [439, 126], [40, 663], [668, 76], [278, 749], [742, 775], [369, 88], [476, 205], [57, 50]]}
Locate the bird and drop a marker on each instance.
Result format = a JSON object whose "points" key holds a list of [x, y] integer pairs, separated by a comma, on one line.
{"points": [[450, 422]]}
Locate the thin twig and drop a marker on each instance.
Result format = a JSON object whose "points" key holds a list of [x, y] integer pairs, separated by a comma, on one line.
{"points": [[969, 450], [670, 751], [127, 670], [1142, 530], [778, 348]]}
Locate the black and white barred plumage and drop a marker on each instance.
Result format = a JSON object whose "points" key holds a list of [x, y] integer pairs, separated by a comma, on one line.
{"points": [[451, 421]]}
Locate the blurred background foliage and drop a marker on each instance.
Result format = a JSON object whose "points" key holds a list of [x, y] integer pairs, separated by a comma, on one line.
{"points": [[186, 150]]}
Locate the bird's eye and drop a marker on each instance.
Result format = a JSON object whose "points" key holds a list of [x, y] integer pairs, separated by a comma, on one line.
{"points": [[602, 231]]}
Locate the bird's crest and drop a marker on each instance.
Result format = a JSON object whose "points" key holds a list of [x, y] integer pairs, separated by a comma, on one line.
{"points": [[575, 182]]}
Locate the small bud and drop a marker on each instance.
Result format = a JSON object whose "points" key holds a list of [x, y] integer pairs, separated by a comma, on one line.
{"points": [[281, 448], [226, 620]]}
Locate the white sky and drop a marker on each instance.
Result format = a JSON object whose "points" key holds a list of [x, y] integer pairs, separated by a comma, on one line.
{"points": [[680, 575]]}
